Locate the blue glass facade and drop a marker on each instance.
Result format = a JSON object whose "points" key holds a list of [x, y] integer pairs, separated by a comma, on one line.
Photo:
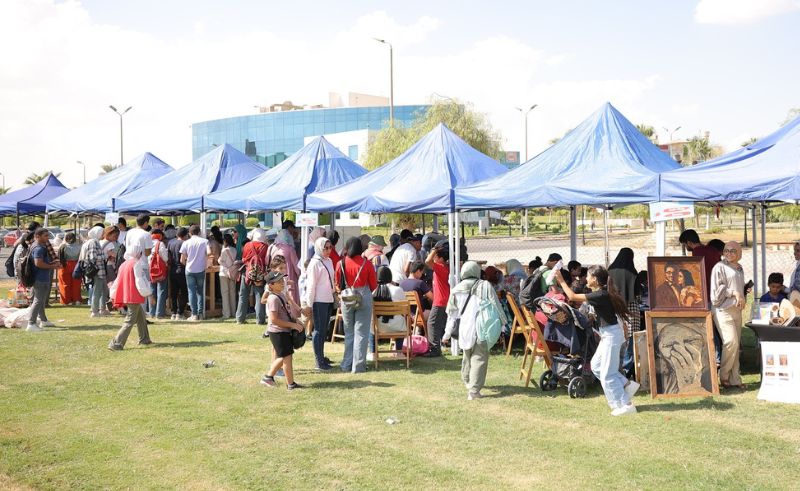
{"points": [[271, 137]]}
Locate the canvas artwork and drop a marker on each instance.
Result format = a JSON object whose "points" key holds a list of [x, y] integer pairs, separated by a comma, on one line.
{"points": [[681, 354], [641, 360], [677, 283]]}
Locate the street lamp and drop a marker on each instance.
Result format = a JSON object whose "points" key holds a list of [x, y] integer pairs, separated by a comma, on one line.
{"points": [[671, 133], [4, 179], [391, 80], [526, 151], [84, 170], [120, 114]]}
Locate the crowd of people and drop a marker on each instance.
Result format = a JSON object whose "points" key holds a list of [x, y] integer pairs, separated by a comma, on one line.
{"points": [[136, 270]]}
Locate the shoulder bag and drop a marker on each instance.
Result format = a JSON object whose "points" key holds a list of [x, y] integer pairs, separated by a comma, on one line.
{"points": [[457, 322], [350, 297]]}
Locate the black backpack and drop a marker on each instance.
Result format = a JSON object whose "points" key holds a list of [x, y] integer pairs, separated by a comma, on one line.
{"points": [[120, 257], [10, 269], [531, 290], [27, 275]]}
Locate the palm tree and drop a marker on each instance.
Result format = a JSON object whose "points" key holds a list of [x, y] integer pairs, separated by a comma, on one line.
{"points": [[749, 141], [793, 113], [697, 149], [34, 178], [4, 190], [106, 168], [648, 131]]}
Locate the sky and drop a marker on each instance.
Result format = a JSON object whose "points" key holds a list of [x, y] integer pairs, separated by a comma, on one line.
{"points": [[724, 66]]}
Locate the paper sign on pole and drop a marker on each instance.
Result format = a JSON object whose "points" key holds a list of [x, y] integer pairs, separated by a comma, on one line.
{"points": [[307, 219], [112, 217], [663, 211]]}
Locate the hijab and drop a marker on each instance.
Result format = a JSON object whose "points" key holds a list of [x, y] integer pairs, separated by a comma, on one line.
{"points": [[259, 235], [319, 247], [315, 234], [623, 274], [285, 237], [96, 233], [241, 237], [514, 267]]}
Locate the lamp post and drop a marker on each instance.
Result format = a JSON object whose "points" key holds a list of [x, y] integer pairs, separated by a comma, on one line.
{"points": [[671, 133], [120, 114], [84, 170], [391, 80], [526, 151], [4, 180]]}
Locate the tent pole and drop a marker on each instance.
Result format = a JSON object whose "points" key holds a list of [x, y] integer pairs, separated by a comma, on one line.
{"points": [[203, 222], [435, 224], [605, 232], [46, 220], [573, 232], [661, 237], [756, 281], [763, 245], [422, 215], [526, 226], [450, 241], [458, 247]]}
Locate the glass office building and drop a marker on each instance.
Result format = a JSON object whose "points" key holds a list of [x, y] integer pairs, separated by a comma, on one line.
{"points": [[270, 137]]}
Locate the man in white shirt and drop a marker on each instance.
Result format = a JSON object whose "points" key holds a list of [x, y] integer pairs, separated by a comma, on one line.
{"points": [[122, 225], [404, 256], [194, 256], [140, 236]]}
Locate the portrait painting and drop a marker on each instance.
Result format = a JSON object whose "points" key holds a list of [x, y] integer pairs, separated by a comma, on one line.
{"points": [[680, 349], [677, 283]]}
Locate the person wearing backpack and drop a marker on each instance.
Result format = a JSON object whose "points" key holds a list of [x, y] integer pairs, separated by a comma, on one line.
{"points": [[39, 263], [475, 314], [355, 279], [158, 276], [93, 262], [21, 251], [254, 261], [177, 278], [536, 285]]}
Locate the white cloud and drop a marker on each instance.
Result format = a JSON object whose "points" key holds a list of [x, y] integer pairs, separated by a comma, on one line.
{"points": [[741, 11]]}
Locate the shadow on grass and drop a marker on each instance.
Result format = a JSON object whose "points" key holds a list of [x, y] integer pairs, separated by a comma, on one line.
{"points": [[93, 328], [189, 344], [673, 405], [348, 384]]}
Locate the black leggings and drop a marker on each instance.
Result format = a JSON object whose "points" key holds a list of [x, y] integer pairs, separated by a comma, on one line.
{"points": [[178, 294]]}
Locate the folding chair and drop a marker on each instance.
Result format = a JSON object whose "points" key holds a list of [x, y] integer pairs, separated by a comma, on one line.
{"points": [[534, 346], [337, 320], [518, 324], [418, 321], [391, 308]]}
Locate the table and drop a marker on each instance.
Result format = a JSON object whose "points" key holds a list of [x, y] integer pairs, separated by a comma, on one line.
{"points": [[780, 362]]}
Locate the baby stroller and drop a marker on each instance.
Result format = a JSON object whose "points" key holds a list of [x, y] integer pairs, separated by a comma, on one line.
{"points": [[570, 337]]}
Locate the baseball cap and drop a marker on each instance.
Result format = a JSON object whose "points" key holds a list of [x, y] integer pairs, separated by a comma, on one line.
{"points": [[274, 277]]}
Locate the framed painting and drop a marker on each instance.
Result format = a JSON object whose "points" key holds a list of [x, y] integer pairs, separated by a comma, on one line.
{"points": [[677, 283], [641, 363], [680, 349]]}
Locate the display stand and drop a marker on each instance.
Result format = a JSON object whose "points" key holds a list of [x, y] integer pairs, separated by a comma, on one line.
{"points": [[780, 362]]}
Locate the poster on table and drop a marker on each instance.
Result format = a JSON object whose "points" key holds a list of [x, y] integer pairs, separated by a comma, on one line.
{"points": [[780, 367]]}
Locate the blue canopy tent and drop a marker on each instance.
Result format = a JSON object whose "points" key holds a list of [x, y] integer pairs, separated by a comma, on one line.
{"points": [[316, 167], [421, 180], [32, 199], [768, 170], [183, 190], [96, 196], [603, 161]]}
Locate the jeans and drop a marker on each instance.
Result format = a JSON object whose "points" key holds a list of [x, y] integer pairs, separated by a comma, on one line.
{"points": [[321, 313], [41, 289], [99, 294], [196, 283], [178, 296], [356, 324], [158, 305], [244, 303], [605, 366]]}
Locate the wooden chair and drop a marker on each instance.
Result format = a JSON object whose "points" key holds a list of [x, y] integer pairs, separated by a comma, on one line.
{"points": [[518, 324], [418, 321], [337, 321], [534, 346], [391, 308]]}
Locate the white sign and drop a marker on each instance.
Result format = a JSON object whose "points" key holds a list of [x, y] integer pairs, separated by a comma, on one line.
{"points": [[663, 211], [780, 364], [307, 219], [112, 217]]}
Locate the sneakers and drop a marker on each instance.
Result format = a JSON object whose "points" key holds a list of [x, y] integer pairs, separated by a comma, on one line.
{"points": [[104, 313], [323, 368], [174, 317], [33, 328], [471, 396], [114, 347], [268, 381], [370, 356], [624, 410], [294, 386], [194, 318], [631, 389], [46, 324], [94, 314]]}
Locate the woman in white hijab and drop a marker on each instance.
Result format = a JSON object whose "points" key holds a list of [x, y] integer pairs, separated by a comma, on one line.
{"points": [[94, 258], [319, 297], [467, 303]]}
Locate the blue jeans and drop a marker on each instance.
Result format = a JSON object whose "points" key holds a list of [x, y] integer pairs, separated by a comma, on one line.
{"points": [[158, 308], [196, 284], [628, 363], [99, 295], [356, 324], [244, 303], [605, 366], [321, 313]]}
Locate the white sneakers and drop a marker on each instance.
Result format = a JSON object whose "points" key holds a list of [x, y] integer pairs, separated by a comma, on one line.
{"points": [[624, 410], [33, 328], [631, 388], [46, 324], [370, 356], [471, 396]]}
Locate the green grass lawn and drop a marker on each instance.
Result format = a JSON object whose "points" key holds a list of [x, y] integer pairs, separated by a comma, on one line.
{"points": [[76, 416]]}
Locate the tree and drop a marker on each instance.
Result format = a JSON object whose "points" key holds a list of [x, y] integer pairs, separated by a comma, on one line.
{"points": [[793, 113], [749, 141], [34, 178], [106, 168], [4, 190], [698, 149], [648, 131], [473, 127]]}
